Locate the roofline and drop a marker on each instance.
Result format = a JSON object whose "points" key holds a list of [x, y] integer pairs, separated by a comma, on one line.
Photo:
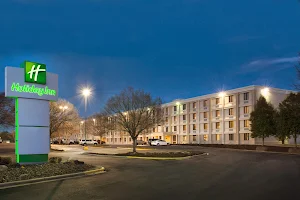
{"points": [[236, 90]]}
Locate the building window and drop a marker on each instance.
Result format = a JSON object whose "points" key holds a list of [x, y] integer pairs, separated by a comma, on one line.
{"points": [[230, 111], [205, 115], [246, 136], [194, 105], [120, 139], [160, 137], [205, 103], [167, 129], [184, 127], [183, 117], [218, 137], [194, 115], [124, 139], [246, 109], [218, 113], [184, 107], [205, 137], [230, 137], [184, 138], [217, 125], [116, 140], [167, 111], [194, 138], [246, 123], [153, 130], [246, 96], [205, 126], [194, 127], [175, 119], [111, 140], [230, 99], [175, 128], [130, 139], [167, 119], [175, 108], [217, 101], [230, 124]]}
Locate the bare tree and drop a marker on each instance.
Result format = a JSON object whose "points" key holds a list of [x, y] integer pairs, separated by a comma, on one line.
{"points": [[134, 111], [98, 125], [63, 115], [7, 111]]}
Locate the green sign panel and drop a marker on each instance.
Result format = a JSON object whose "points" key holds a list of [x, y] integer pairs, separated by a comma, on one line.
{"points": [[35, 72]]}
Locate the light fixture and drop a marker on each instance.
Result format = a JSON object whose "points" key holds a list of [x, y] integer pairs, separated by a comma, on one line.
{"points": [[221, 94], [86, 92], [265, 92], [177, 103]]}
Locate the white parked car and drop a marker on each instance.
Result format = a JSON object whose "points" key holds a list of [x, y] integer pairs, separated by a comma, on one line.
{"points": [[88, 142], [159, 143]]}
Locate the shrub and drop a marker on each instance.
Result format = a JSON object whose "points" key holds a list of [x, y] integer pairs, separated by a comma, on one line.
{"points": [[5, 160], [55, 160]]}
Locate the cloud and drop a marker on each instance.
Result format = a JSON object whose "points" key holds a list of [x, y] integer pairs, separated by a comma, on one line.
{"points": [[275, 64]]}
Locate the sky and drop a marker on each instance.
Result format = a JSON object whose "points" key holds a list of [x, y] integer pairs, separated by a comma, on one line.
{"points": [[170, 48]]}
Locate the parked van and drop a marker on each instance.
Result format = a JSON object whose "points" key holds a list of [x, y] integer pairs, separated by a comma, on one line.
{"points": [[88, 142]]}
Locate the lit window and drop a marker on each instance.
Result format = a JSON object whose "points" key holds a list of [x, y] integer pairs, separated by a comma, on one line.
{"points": [[230, 111], [205, 115], [230, 124], [184, 127], [153, 130], [218, 113], [246, 123], [205, 137], [205, 103], [184, 138], [246, 109], [230, 99], [175, 119], [205, 126], [194, 127], [194, 138], [218, 137], [217, 125], [246, 136], [230, 136], [217, 100], [194, 105], [194, 116]]}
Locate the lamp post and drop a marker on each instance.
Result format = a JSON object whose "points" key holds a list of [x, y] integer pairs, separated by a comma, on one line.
{"points": [[63, 108], [86, 92]]}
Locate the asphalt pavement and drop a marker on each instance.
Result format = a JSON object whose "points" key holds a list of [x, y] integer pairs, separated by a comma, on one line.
{"points": [[223, 174]]}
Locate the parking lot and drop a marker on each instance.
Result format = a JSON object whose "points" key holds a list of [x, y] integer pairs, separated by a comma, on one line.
{"points": [[223, 174]]}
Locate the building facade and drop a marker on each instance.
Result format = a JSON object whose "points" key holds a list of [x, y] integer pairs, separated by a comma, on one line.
{"points": [[219, 118]]}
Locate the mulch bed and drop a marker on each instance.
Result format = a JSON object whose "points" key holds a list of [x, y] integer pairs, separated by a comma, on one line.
{"points": [[16, 172]]}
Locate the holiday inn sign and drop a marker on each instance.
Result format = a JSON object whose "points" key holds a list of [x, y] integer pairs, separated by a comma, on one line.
{"points": [[32, 87]]}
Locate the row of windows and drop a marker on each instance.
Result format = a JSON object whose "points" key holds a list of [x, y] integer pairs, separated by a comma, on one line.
{"points": [[217, 114], [217, 101], [205, 126]]}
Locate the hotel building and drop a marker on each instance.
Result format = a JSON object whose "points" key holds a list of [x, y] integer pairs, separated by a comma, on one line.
{"points": [[219, 118]]}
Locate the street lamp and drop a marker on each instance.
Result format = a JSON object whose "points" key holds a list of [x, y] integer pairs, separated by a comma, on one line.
{"points": [[63, 108], [86, 92]]}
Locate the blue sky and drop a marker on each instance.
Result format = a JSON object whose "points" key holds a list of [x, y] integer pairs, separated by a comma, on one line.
{"points": [[170, 48]]}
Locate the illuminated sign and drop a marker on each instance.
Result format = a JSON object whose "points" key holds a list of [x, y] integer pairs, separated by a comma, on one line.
{"points": [[35, 72], [32, 89]]}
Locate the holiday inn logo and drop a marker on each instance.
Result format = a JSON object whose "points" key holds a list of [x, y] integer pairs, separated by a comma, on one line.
{"points": [[35, 72]]}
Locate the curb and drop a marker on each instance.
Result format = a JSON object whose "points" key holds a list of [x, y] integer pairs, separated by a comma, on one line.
{"points": [[50, 179]]}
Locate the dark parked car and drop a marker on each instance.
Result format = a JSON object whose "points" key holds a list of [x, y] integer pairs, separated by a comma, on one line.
{"points": [[55, 142], [151, 140], [101, 142]]}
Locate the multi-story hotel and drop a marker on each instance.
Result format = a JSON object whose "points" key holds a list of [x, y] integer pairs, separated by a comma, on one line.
{"points": [[219, 118]]}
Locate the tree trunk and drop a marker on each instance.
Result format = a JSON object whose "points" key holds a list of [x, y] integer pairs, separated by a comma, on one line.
{"points": [[134, 145], [282, 141], [263, 140], [295, 139]]}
